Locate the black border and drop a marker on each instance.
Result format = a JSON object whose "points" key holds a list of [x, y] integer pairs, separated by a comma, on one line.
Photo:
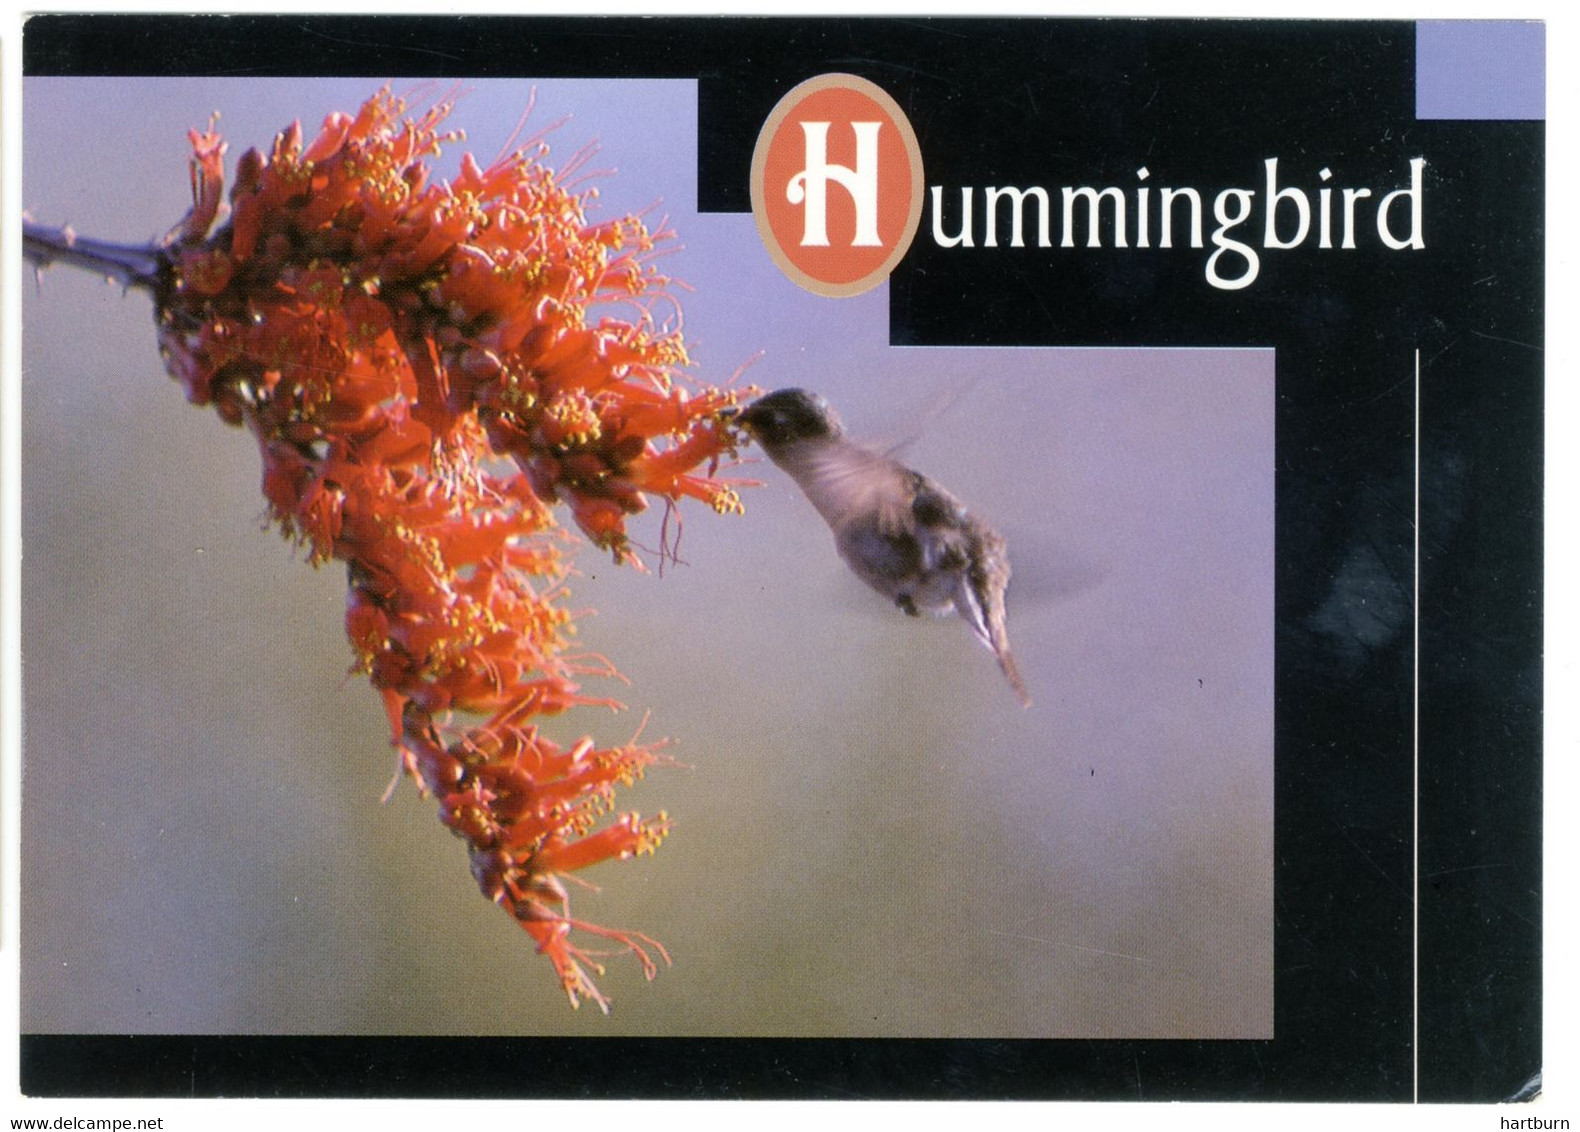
{"points": [[1016, 102]]}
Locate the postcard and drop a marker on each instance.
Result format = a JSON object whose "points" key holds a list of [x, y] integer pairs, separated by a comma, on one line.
{"points": [[928, 558]]}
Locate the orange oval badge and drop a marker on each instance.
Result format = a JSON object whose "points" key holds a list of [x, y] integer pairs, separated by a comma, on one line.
{"points": [[837, 184]]}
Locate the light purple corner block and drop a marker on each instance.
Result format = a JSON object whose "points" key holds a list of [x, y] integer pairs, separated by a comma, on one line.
{"points": [[1481, 70]]}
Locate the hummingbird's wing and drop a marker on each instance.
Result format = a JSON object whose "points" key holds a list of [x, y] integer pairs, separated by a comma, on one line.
{"points": [[865, 498], [847, 482]]}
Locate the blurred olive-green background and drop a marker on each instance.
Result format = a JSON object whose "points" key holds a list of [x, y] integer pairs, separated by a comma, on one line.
{"points": [[871, 838]]}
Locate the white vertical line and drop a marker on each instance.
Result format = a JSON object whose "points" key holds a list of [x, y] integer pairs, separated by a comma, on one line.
{"points": [[1415, 784]]}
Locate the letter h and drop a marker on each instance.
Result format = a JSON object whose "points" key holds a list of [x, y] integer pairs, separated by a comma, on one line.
{"points": [[811, 184]]}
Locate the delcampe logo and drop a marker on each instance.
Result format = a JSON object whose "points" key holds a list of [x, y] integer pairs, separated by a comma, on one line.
{"points": [[837, 184]]}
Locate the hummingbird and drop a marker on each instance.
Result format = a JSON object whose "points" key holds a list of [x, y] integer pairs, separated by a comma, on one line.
{"points": [[898, 531]]}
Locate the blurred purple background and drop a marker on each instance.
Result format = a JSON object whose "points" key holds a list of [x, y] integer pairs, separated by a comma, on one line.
{"points": [[871, 838]]}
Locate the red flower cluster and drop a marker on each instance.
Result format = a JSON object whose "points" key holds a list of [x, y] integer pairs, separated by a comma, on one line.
{"points": [[418, 363]]}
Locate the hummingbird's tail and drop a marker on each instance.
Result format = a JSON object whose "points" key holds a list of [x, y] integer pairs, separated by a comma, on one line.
{"points": [[1006, 661], [981, 601]]}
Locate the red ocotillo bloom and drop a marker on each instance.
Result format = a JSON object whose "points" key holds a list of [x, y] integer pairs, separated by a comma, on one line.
{"points": [[424, 372]]}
